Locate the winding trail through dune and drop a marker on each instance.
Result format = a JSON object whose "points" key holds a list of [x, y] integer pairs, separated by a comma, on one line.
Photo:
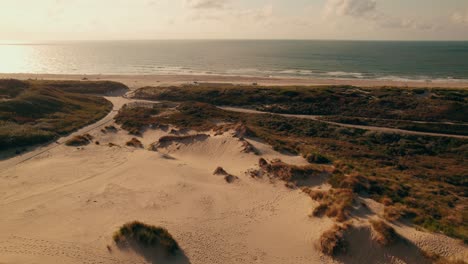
{"points": [[371, 128]]}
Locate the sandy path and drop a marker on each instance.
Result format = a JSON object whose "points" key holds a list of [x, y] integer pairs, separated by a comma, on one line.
{"points": [[371, 128]]}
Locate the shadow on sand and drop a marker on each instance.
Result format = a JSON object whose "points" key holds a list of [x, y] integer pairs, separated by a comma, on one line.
{"points": [[363, 249], [156, 255]]}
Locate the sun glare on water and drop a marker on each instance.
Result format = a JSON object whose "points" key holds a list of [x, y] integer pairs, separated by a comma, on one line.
{"points": [[17, 58]]}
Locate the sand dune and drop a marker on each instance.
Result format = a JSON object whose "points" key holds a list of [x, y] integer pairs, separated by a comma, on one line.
{"points": [[63, 204]]}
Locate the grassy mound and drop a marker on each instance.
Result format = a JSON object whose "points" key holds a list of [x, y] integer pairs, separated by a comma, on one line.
{"points": [[80, 140], [146, 236], [34, 113]]}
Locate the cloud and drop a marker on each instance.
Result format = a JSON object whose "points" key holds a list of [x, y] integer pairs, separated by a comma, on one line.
{"points": [[353, 8], [207, 4], [460, 17], [368, 10], [257, 15]]}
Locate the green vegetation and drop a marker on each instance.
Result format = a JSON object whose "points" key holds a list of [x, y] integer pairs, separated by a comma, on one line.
{"points": [[83, 87], [32, 113], [427, 176], [136, 119], [390, 103], [146, 236], [441, 128]]}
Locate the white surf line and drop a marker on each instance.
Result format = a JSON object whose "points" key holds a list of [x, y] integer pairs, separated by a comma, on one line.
{"points": [[317, 118]]}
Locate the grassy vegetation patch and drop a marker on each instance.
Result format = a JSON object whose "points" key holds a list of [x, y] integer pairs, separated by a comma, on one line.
{"points": [[35, 113], [147, 236], [393, 103], [335, 203]]}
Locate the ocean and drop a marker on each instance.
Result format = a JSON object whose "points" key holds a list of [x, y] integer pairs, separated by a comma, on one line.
{"points": [[386, 60]]}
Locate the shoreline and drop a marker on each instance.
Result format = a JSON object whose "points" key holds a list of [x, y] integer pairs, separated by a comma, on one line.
{"points": [[137, 81]]}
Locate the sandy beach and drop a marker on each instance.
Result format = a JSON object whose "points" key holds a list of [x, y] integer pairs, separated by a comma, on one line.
{"points": [[137, 81]]}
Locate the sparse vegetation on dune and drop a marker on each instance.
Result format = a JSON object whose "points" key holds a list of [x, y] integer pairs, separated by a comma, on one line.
{"points": [[147, 236], [426, 175], [136, 119], [80, 140], [286, 172], [168, 140], [335, 203], [34, 113]]}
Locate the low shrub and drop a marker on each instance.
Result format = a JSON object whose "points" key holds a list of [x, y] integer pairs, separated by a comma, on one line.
{"points": [[146, 236]]}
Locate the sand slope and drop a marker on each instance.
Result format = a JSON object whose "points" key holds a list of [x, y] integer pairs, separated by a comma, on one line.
{"points": [[63, 205]]}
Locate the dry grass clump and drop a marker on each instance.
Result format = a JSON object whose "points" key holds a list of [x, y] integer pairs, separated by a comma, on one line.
{"points": [[384, 234], [286, 172], [332, 242], [396, 212], [317, 158], [168, 140], [146, 236], [110, 129], [248, 148], [134, 142], [227, 177], [333, 203], [220, 171], [80, 140]]}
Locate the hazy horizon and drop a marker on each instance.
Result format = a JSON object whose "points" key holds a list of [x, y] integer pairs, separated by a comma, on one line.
{"points": [[369, 20]]}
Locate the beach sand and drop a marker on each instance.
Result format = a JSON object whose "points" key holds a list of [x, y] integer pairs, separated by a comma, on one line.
{"points": [[62, 204], [137, 81]]}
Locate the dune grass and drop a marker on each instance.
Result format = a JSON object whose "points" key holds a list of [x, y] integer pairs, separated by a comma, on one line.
{"points": [[335, 203], [34, 113], [332, 241], [147, 236]]}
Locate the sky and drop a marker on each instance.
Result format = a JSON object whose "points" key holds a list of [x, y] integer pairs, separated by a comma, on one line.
{"points": [[49, 20]]}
